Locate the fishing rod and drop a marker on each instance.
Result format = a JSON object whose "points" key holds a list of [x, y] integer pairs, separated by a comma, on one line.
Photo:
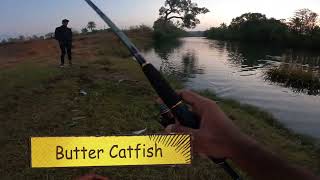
{"points": [[170, 98]]}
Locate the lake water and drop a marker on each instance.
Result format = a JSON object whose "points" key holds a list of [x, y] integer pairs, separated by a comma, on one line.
{"points": [[237, 71]]}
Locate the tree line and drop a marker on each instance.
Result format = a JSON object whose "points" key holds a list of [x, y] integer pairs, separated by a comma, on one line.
{"points": [[174, 16], [89, 28], [300, 31]]}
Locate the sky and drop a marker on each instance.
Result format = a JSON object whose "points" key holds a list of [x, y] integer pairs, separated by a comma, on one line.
{"points": [[28, 17]]}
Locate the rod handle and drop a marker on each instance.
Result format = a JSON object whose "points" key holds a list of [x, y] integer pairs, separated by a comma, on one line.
{"points": [[170, 97], [179, 109]]}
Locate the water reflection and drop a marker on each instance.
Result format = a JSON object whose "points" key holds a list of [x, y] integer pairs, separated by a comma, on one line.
{"points": [[310, 59], [296, 70], [300, 69], [187, 68], [190, 66], [249, 56], [165, 48], [237, 71]]}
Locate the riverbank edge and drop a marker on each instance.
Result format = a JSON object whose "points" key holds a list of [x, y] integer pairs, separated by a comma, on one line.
{"points": [[268, 117], [267, 44]]}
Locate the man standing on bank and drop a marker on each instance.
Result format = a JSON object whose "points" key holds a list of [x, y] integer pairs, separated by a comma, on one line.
{"points": [[63, 35]]}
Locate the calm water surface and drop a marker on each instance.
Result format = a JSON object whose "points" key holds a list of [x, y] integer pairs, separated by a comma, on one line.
{"points": [[237, 71]]}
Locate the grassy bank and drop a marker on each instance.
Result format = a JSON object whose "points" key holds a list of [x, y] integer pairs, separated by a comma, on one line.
{"points": [[39, 99]]}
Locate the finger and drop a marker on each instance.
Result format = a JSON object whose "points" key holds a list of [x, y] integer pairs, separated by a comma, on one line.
{"points": [[199, 104], [191, 97]]}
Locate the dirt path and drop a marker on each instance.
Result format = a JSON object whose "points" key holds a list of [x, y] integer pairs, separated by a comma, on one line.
{"points": [[43, 51]]}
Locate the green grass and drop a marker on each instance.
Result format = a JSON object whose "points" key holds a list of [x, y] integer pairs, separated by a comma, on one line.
{"points": [[39, 99], [25, 75]]}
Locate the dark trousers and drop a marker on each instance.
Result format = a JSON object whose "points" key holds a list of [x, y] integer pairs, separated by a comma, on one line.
{"points": [[65, 48]]}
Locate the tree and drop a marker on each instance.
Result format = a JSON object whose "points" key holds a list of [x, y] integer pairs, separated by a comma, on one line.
{"points": [[301, 31], [12, 40], [3, 41], [21, 38], [35, 37], [251, 27], [84, 30], [49, 35], [91, 25], [220, 32], [166, 30], [184, 11], [238, 22], [141, 28], [223, 26], [303, 22]]}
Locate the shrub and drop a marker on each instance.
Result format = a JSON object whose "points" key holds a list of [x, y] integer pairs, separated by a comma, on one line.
{"points": [[296, 78]]}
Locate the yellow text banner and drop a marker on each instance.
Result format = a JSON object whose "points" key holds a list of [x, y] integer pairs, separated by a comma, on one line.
{"points": [[49, 152]]}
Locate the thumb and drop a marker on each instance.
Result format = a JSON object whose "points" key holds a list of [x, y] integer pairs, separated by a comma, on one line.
{"points": [[175, 128]]}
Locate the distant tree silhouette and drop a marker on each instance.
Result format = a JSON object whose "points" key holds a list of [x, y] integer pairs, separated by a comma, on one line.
{"points": [[140, 28], [35, 37], [184, 11], [3, 41], [304, 21], [301, 30], [12, 40], [91, 25], [49, 35], [21, 38], [84, 30], [166, 30], [223, 26]]}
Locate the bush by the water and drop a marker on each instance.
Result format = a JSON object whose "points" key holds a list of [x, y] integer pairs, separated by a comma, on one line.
{"points": [[300, 31], [140, 29], [167, 30], [296, 78]]}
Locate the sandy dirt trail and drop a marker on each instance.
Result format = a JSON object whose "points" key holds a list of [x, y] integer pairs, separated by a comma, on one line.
{"points": [[43, 51]]}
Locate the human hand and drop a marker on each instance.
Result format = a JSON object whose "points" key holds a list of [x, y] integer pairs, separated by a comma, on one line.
{"points": [[217, 136]]}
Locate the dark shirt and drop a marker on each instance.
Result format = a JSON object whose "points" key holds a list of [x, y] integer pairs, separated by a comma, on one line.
{"points": [[63, 34]]}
